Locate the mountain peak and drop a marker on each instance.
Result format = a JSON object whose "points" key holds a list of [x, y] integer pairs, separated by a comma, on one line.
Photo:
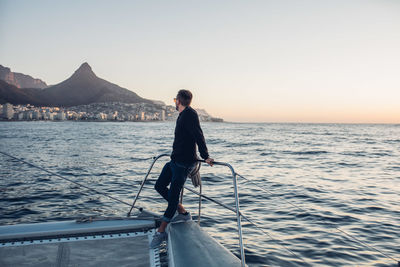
{"points": [[84, 70], [84, 67]]}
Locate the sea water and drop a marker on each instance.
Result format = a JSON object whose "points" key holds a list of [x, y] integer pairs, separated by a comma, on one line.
{"points": [[311, 184]]}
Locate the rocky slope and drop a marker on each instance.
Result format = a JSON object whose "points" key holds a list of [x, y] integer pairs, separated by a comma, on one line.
{"points": [[20, 80], [14, 95]]}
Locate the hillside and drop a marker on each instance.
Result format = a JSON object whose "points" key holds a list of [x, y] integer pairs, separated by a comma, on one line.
{"points": [[84, 87], [20, 80], [14, 95]]}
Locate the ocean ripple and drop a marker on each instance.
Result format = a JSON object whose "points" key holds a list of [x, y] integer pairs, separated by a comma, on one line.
{"points": [[307, 181]]}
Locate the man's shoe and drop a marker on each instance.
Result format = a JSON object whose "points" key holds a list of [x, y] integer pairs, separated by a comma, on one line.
{"points": [[182, 217], [158, 239]]}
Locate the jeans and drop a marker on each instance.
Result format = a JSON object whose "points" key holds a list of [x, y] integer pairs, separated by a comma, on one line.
{"points": [[175, 174]]}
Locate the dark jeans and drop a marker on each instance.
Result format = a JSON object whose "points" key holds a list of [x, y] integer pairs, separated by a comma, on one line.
{"points": [[175, 174]]}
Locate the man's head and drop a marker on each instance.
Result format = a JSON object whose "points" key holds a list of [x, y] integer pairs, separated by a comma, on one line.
{"points": [[183, 98]]}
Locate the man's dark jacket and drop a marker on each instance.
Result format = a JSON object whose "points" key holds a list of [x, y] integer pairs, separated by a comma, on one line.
{"points": [[188, 133]]}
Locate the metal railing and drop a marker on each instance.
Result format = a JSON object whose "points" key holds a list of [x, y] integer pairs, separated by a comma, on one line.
{"points": [[236, 194]]}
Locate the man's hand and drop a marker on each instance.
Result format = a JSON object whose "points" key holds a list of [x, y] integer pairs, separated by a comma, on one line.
{"points": [[210, 161]]}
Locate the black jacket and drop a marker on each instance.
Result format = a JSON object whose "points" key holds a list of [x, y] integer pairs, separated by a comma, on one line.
{"points": [[188, 133]]}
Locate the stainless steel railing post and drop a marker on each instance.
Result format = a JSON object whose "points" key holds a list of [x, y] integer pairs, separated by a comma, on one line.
{"points": [[238, 215], [144, 180], [237, 210]]}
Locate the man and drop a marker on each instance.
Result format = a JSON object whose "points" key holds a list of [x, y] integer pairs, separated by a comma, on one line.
{"points": [[188, 133]]}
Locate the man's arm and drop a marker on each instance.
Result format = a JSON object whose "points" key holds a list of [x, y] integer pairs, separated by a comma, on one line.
{"points": [[193, 126]]}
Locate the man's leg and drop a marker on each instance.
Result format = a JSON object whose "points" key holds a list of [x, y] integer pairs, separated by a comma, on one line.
{"points": [[164, 224], [179, 174], [178, 178], [163, 181]]}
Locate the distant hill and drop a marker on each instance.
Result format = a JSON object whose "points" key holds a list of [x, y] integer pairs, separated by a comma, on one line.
{"points": [[20, 80], [14, 95], [82, 88]]}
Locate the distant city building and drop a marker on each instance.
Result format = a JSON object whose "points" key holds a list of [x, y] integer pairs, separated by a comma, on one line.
{"points": [[114, 111], [102, 116], [8, 111], [49, 115], [37, 115], [29, 115], [61, 116], [111, 116]]}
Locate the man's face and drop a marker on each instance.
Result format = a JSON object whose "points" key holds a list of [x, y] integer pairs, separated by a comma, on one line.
{"points": [[176, 100]]}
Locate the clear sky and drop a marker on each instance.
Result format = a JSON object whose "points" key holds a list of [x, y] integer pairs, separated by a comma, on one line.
{"points": [[263, 61]]}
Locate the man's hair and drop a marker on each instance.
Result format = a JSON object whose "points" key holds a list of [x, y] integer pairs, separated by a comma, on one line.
{"points": [[185, 97]]}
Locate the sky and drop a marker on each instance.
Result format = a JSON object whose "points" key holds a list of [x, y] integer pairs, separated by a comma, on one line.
{"points": [[244, 61]]}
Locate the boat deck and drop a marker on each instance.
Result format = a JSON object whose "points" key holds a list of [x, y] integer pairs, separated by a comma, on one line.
{"points": [[99, 243], [189, 245], [112, 242]]}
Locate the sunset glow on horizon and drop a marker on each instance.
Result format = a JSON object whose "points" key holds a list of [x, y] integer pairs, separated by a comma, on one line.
{"points": [[260, 61]]}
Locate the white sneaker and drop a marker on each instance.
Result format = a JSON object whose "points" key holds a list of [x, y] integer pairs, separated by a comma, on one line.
{"points": [[158, 239]]}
